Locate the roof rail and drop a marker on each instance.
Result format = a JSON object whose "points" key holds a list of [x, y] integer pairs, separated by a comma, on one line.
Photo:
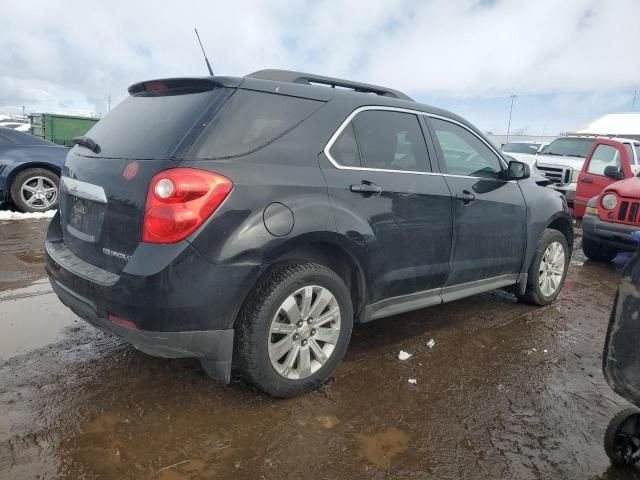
{"points": [[311, 79]]}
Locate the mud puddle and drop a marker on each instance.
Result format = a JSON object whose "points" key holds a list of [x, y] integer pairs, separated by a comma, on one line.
{"points": [[21, 252], [508, 391], [31, 318]]}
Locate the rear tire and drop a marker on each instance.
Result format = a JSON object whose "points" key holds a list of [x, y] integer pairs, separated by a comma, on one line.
{"points": [[546, 277], [621, 436], [596, 251], [288, 340], [35, 190]]}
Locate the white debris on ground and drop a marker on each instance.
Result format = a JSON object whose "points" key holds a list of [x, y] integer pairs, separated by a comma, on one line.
{"points": [[431, 343], [8, 215], [545, 351], [404, 355], [413, 381]]}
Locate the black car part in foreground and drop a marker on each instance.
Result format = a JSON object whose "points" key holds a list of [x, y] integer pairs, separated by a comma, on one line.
{"points": [[251, 221], [621, 368]]}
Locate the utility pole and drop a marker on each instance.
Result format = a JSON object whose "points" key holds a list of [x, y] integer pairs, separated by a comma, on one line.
{"points": [[513, 97], [635, 94], [109, 102]]}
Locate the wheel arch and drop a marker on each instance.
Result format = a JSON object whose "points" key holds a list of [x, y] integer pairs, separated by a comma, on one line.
{"points": [[563, 223], [26, 166], [323, 252]]}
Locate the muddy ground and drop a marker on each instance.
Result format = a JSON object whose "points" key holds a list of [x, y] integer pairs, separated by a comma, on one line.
{"points": [[508, 391]]}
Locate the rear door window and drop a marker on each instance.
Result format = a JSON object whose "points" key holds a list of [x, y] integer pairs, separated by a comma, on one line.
{"points": [[391, 141], [345, 149], [250, 120], [604, 156], [382, 140]]}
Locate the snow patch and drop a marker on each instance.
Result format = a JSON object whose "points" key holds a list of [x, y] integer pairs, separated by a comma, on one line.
{"points": [[404, 355], [8, 215]]}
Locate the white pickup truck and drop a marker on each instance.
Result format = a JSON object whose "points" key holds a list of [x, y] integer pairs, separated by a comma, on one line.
{"points": [[561, 161]]}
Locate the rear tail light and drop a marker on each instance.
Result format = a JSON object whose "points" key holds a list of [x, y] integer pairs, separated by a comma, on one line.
{"points": [[179, 201]]}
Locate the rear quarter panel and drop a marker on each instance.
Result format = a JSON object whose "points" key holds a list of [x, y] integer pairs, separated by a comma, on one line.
{"points": [[285, 172]]}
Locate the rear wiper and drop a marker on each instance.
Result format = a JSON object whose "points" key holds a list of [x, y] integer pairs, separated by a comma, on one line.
{"points": [[87, 142]]}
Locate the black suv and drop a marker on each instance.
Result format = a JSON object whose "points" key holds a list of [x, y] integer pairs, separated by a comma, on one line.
{"points": [[251, 221]]}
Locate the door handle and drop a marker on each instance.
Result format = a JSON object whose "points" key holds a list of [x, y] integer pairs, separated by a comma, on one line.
{"points": [[366, 187], [466, 197], [586, 180]]}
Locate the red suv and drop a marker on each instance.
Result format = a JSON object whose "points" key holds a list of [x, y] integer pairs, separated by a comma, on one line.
{"points": [[610, 220], [608, 161]]}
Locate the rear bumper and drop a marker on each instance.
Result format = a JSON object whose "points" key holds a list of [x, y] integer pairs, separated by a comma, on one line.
{"points": [[615, 235], [213, 346], [176, 303]]}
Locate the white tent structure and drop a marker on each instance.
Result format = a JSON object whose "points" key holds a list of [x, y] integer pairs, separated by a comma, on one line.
{"points": [[626, 125]]}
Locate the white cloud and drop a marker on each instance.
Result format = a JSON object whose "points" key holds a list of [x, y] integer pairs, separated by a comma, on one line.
{"points": [[69, 55]]}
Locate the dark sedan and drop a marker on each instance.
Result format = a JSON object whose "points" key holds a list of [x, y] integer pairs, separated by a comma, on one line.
{"points": [[29, 171]]}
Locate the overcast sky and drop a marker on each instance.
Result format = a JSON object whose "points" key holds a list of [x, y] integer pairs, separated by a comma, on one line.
{"points": [[568, 61]]}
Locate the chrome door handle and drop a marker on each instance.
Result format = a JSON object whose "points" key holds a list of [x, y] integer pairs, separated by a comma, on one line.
{"points": [[365, 187], [465, 197]]}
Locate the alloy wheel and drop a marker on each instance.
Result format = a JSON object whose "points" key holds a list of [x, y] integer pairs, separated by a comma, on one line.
{"points": [[551, 269], [304, 332], [39, 192]]}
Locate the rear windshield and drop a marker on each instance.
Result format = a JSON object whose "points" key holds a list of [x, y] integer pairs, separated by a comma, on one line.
{"points": [[150, 126], [250, 120]]}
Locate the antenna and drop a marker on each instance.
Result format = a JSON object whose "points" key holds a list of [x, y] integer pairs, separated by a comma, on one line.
{"points": [[203, 53]]}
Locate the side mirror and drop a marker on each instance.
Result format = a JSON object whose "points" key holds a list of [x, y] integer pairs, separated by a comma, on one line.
{"points": [[613, 172], [518, 170]]}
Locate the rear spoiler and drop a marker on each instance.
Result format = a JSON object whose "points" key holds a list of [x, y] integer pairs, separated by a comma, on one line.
{"points": [[177, 86]]}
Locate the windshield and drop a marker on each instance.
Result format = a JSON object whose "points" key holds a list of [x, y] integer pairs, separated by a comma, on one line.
{"points": [[570, 147], [531, 148]]}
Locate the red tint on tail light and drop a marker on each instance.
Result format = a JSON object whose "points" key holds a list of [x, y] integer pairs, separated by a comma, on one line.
{"points": [[179, 201]]}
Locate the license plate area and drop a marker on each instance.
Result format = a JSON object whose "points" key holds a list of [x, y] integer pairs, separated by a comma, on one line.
{"points": [[82, 212]]}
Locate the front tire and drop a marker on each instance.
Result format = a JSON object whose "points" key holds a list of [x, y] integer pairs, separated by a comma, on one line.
{"points": [[293, 329], [35, 190], [548, 269], [596, 251]]}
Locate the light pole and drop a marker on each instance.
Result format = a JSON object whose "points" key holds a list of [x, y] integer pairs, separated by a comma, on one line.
{"points": [[513, 97]]}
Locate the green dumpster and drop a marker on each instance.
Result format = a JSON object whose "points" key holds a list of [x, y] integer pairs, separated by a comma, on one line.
{"points": [[60, 129]]}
